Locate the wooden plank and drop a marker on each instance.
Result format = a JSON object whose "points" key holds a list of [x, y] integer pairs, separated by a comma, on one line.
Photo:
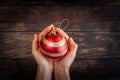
{"points": [[61, 2], [22, 69], [17, 69], [82, 18], [92, 45], [95, 70]]}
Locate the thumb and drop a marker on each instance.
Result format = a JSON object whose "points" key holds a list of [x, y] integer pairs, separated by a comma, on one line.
{"points": [[72, 45], [35, 43], [72, 49]]}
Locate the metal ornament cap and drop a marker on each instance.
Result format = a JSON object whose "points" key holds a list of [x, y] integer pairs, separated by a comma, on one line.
{"points": [[53, 45]]}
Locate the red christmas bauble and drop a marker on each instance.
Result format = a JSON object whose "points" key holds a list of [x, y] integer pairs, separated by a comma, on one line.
{"points": [[53, 45]]}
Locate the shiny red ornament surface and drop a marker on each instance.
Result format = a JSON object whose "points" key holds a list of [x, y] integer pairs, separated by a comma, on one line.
{"points": [[53, 45]]}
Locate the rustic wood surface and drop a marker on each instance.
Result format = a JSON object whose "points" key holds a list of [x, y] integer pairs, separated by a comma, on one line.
{"points": [[92, 45], [82, 18], [95, 28]]}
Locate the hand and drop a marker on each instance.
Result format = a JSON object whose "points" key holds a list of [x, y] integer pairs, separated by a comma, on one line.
{"points": [[45, 64], [61, 67]]}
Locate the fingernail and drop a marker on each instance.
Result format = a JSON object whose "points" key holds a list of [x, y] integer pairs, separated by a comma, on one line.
{"points": [[71, 38], [52, 24]]}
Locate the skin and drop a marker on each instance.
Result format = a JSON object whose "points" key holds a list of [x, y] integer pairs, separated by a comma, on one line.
{"points": [[62, 66], [46, 65]]}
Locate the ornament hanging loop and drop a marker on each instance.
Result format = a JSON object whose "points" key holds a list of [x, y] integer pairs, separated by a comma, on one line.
{"points": [[64, 20]]}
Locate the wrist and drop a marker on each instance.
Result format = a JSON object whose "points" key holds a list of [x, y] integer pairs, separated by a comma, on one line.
{"points": [[60, 67], [61, 73], [44, 68], [43, 73]]}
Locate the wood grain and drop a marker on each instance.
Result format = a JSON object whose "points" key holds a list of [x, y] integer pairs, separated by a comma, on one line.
{"points": [[23, 69], [94, 25], [92, 45], [60, 2], [82, 18]]}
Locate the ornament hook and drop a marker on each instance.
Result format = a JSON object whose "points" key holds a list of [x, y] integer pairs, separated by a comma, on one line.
{"points": [[63, 22]]}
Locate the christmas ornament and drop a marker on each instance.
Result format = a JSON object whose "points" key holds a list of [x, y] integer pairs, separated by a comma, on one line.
{"points": [[54, 45]]}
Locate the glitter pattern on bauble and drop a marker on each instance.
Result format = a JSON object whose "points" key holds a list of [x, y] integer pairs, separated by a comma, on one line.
{"points": [[53, 45]]}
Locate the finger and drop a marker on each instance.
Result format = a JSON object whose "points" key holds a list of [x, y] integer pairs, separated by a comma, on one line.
{"points": [[34, 43], [72, 43], [45, 31], [72, 46], [62, 33], [72, 49], [36, 52]]}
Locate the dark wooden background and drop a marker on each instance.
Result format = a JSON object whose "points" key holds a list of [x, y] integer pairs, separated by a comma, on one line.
{"points": [[94, 25]]}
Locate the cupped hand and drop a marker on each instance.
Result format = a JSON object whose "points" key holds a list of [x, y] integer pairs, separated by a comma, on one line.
{"points": [[62, 66], [71, 53], [37, 54]]}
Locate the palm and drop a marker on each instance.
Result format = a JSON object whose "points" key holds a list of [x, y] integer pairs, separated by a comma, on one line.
{"points": [[71, 53], [66, 61], [44, 60], [39, 57]]}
